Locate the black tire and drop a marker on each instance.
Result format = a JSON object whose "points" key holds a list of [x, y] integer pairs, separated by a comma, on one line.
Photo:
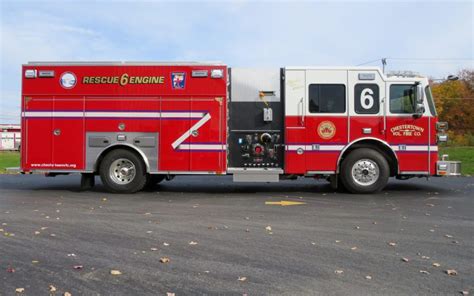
{"points": [[370, 164], [153, 180], [111, 183]]}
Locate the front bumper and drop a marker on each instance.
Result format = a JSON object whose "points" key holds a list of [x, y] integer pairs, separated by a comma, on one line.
{"points": [[448, 168]]}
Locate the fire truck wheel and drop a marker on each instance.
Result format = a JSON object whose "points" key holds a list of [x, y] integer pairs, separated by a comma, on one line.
{"points": [[122, 171], [364, 170]]}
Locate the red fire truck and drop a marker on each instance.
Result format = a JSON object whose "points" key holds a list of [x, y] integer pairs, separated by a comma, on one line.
{"points": [[137, 124]]}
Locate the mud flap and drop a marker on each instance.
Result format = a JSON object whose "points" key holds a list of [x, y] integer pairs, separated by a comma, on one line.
{"points": [[87, 181]]}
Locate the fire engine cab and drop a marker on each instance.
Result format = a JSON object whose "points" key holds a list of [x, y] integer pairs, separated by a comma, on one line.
{"points": [[137, 124]]}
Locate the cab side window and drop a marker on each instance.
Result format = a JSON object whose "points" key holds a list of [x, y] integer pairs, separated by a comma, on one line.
{"points": [[327, 98], [402, 98]]}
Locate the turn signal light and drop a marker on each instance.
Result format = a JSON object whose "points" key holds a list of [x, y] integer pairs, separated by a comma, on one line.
{"points": [[441, 126]]}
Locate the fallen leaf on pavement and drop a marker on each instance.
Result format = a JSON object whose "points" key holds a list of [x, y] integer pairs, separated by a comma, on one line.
{"points": [[268, 228], [115, 272], [357, 227], [166, 244], [464, 292], [52, 289], [35, 261], [192, 243], [393, 244], [451, 272], [154, 249], [435, 264], [170, 294], [430, 204], [67, 294], [164, 260], [448, 235], [78, 267], [354, 248], [425, 257], [368, 277], [424, 272], [19, 290], [37, 232], [242, 278], [405, 259], [339, 271]]}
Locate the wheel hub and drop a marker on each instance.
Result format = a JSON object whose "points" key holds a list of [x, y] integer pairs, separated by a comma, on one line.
{"points": [[122, 171], [365, 172]]}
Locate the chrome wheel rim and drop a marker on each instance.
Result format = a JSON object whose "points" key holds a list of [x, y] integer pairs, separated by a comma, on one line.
{"points": [[365, 172], [122, 171]]}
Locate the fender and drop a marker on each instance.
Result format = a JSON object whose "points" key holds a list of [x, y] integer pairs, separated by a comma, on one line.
{"points": [[365, 139], [117, 145]]}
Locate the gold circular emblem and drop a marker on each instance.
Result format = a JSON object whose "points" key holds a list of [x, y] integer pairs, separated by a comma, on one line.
{"points": [[326, 130]]}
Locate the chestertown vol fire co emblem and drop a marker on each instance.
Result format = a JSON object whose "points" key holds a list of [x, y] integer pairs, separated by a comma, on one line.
{"points": [[408, 130], [326, 130]]}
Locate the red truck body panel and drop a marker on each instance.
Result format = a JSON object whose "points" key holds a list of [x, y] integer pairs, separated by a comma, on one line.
{"points": [[165, 100]]}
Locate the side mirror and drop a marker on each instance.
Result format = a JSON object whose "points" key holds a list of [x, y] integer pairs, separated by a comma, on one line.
{"points": [[419, 94], [419, 110]]}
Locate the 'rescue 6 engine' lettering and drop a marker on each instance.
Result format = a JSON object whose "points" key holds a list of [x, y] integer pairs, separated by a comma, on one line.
{"points": [[123, 80]]}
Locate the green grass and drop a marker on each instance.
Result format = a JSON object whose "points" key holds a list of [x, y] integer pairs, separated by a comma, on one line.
{"points": [[9, 159], [463, 154]]}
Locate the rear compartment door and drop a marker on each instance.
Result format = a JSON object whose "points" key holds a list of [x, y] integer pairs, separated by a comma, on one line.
{"points": [[207, 140], [68, 133], [175, 129], [37, 132]]}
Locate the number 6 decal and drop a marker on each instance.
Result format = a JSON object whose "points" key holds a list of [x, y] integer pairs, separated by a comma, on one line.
{"points": [[366, 98]]}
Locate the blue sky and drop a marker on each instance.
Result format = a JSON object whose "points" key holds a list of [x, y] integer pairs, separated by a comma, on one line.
{"points": [[250, 34]]}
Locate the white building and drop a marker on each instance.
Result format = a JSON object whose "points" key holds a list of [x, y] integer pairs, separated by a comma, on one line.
{"points": [[10, 136]]}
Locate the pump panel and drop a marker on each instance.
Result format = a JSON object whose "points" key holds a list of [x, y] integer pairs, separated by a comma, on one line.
{"points": [[255, 119]]}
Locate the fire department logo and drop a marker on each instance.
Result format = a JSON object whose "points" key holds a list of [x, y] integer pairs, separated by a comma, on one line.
{"points": [[326, 130], [178, 80], [68, 80]]}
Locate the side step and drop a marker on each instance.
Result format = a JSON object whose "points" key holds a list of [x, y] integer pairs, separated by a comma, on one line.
{"points": [[255, 174]]}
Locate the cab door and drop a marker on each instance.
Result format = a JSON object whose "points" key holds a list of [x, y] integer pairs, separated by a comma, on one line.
{"points": [[407, 134], [295, 129], [366, 111], [326, 122]]}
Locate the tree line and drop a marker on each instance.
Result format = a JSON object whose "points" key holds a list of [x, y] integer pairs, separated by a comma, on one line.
{"points": [[455, 104]]}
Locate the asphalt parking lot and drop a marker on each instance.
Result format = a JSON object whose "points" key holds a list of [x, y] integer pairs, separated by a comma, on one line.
{"points": [[221, 238]]}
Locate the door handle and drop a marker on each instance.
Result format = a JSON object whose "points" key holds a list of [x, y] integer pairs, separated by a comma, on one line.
{"points": [[57, 132], [301, 104]]}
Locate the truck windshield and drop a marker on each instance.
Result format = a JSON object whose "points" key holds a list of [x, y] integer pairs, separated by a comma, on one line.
{"points": [[429, 98]]}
